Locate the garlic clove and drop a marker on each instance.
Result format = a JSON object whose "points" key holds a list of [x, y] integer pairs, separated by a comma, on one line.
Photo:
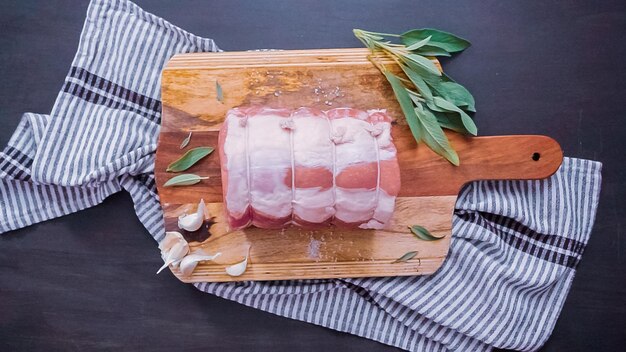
{"points": [[171, 238], [239, 268], [176, 264], [179, 250], [193, 222], [372, 224], [176, 253], [189, 263]]}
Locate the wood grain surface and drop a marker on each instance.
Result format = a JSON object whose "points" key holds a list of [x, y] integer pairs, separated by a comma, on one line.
{"points": [[323, 79]]}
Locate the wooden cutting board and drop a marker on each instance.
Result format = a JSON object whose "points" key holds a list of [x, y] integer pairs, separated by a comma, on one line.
{"points": [[323, 79]]}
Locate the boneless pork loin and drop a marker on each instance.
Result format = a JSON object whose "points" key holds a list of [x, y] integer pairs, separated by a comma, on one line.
{"points": [[308, 167]]}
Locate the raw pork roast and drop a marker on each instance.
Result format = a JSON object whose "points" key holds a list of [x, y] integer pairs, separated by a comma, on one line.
{"points": [[308, 167]]}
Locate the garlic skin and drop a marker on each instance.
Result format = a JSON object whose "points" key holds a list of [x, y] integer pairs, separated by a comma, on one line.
{"points": [[171, 238], [239, 268], [173, 249], [189, 263], [193, 222]]}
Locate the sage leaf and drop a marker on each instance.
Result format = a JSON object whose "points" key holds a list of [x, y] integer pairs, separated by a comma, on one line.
{"points": [[415, 98], [406, 257], [434, 136], [419, 83], [370, 35], [457, 95], [450, 121], [189, 159], [405, 104], [184, 180], [425, 63], [446, 78], [423, 234], [450, 90], [429, 77], [220, 93], [185, 141], [418, 44], [448, 106], [429, 50], [444, 40], [434, 107]]}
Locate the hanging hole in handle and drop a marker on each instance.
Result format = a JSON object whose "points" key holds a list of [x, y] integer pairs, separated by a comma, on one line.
{"points": [[536, 156]]}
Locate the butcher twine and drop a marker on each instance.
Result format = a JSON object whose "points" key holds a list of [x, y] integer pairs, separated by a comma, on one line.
{"points": [[513, 253], [289, 126], [334, 146], [377, 147], [246, 127]]}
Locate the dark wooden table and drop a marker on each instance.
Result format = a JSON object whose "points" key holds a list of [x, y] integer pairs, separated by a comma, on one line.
{"points": [[86, 281]]}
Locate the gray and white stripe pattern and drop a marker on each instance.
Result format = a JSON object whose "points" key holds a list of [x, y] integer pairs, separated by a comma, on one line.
{"points": [[511, 262], [514, 250], [102, 132]]}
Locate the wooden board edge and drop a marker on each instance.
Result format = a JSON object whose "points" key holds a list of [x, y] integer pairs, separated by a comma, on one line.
{"points": [[291, 271], [248, 59]]}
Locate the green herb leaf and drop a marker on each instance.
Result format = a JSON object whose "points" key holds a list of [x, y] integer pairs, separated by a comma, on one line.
{"points": [[405, 104], [424, 63], [184, 180], [424, 234], [448, 106], [419, 83], [376, 37], [431, 79], [434, 136], [441, 39], [185, 141], [450, 121], [429, 50], [418, 44], [457, 95], [189, 159], [220, 94], [406, 257], [445, 87]]}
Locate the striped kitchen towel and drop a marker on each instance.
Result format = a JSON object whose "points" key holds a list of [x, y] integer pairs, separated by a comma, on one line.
{"points": [[514, 250]]}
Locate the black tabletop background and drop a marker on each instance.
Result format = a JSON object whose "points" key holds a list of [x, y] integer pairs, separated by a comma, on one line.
{"points": [[86, 281]]}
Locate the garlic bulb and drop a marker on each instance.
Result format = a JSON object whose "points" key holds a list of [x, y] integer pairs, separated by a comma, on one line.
{"points": [[173, 249], [239, 268], [189, 263], [192, 222]]}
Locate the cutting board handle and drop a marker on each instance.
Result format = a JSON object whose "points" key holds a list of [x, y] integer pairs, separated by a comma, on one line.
{"points": [[525, 157]]}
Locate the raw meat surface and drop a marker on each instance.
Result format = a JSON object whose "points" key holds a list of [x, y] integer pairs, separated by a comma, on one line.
{"points": [[308, 167]]}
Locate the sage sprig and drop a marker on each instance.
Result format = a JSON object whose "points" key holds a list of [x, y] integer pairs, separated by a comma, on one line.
{"points": [[184, 180], [430, 100], [423, 234], [189, 159]]}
